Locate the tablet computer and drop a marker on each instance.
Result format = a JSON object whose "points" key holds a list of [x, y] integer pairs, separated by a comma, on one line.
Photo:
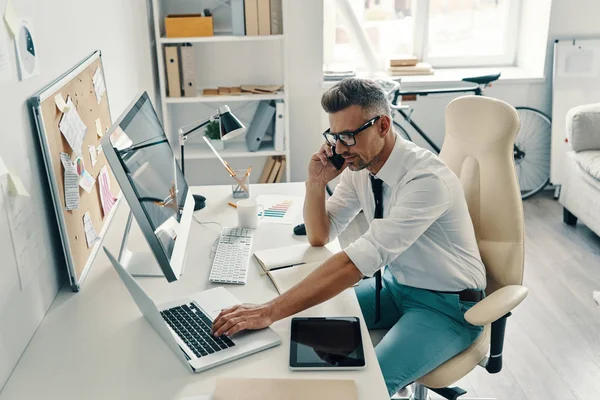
{"points": [[326, 343]]}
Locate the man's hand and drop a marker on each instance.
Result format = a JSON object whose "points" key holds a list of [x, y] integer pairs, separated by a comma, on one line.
{"points": [[242, 317], [320, 170]]}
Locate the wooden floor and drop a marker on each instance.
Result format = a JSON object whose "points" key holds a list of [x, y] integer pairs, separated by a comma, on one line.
{"points": [[552, 347]]}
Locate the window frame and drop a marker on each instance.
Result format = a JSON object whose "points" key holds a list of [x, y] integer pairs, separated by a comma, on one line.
{"points": [[421, 40]]}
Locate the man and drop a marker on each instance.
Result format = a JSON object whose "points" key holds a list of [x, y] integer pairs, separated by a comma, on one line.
{"points": [[420, 231]]}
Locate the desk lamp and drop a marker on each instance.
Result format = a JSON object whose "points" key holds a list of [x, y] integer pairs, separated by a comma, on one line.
{"points": [[229, 126]]}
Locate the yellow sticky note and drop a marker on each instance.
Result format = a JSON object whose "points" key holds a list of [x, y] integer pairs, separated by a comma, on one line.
{"points": [[15, 186], [12, 21], [61, 104], [99, 128]]}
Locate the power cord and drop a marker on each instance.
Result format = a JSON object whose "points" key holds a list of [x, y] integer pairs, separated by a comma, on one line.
{"points": [[213, 248]]}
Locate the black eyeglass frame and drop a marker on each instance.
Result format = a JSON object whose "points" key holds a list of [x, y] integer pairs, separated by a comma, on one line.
{"points": [[350, 135]]}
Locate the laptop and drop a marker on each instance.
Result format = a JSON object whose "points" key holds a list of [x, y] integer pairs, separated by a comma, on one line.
{"points": [[185, 325]]}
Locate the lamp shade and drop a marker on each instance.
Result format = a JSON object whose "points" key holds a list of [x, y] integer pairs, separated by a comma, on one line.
{"points": [[229, 125]]}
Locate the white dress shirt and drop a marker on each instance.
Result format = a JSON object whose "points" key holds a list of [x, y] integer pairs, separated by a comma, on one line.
{"points": [[426, 236]]}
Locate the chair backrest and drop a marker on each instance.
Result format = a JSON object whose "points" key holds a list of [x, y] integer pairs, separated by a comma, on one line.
{"points": [[478, 147]]}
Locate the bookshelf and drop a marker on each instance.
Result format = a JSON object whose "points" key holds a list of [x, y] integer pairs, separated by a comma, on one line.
{"points": [[222, 60]]}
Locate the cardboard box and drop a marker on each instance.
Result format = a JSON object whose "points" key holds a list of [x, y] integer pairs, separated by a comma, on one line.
{"points": [[188, 25]]}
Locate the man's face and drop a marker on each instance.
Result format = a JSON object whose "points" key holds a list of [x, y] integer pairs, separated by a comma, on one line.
{"points": [[369, 142]]}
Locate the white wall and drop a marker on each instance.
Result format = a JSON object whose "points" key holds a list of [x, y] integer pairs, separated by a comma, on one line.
{"points": [[66, 31], [569, 18]]}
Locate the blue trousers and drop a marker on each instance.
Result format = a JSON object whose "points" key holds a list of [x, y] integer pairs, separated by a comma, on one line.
{"points": [[425, 329]]}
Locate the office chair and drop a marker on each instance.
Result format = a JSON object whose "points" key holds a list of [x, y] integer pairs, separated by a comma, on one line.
{"points": [[478, 147]]}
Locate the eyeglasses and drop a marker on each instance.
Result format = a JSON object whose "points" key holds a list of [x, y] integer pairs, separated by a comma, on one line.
{"points": [[348, 138]]}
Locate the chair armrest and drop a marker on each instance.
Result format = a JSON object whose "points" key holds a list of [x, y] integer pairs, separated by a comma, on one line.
{"points": [[583, 124], [496, 305]]}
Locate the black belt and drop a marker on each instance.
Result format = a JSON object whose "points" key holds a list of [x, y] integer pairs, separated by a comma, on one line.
{"points": [[472, 295]]}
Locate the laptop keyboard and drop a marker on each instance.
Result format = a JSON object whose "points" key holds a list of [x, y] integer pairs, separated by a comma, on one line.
{"points": [[193, 327]]}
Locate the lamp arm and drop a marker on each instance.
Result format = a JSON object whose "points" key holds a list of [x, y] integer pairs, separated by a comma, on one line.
{"points": [[184, 131]]}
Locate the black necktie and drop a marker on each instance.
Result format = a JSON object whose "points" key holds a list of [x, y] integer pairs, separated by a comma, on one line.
{"points": [[377, 185]]}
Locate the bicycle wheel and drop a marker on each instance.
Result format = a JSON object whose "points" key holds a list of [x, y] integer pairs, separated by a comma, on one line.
{"points": [[532, 151]]}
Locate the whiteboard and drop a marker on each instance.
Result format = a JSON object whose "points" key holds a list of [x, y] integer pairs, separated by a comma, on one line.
{"points": [[575, 82]]}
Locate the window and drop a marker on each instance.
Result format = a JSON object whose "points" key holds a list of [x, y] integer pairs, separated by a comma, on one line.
{"points": [[365, 34]]}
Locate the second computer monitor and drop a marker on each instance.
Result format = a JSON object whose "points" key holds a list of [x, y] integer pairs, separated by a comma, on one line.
{"points": [[145, 167]]}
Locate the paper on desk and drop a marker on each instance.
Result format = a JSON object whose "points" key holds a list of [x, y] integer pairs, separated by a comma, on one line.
{"points": [[12, 21], [90, 233], [93, 155], [86, 181], [15, 186], [60, 102], [99, 149], [99, 87], [71, 179], [99, 128], [106, 197], [73, 128]]}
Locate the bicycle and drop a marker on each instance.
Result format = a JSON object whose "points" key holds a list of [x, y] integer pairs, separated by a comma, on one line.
{"points": [[532, 143]]}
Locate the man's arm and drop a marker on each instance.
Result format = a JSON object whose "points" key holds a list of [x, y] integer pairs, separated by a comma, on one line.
{"points": [[315, 215], [330, 279]]}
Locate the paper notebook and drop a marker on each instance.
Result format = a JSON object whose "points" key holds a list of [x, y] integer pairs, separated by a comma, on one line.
{"points": [[289, 389], [292, 255], [286, 266]]}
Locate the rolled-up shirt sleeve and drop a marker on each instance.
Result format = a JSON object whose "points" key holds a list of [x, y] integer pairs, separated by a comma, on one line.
{"points": [[414, 208], [343, 206]]}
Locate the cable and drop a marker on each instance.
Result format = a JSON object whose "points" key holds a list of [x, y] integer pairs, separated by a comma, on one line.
{"points": [[213, 248]]}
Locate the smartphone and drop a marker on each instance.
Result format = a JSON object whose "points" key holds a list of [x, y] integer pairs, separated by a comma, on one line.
{"points": [[337, 160]]}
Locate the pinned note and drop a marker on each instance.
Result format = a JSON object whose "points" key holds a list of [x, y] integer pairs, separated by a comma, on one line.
{"points": [[99, 128], [15, 186], [72, 127], [61, 104], [99, 149], [86, 181], [90, 233], [79, 165], [106, 197], [99, 86], [71, 179], [12, 21], [93, 155]]}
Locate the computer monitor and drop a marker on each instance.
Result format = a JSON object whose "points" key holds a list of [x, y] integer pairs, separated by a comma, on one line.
{"points": [[139, 155]]}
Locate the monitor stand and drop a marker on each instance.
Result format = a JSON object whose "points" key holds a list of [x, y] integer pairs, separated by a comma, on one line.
{"points": [[137, 263]]}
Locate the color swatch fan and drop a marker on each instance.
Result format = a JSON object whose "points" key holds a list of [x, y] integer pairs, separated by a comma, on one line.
{"points": [[280, 209]]}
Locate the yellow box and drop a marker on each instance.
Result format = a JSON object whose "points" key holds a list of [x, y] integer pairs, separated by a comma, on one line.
{"points": [[188, 25]]}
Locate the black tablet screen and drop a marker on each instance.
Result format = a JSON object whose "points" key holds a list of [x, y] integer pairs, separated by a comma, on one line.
{"points": [[326, 342]]}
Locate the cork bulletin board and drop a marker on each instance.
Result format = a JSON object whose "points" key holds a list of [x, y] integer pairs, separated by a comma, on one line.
{"points": [[79, 86]]}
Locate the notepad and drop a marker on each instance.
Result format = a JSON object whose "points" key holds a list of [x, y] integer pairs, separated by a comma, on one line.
{"points": [[291, 255], [289, 389]]}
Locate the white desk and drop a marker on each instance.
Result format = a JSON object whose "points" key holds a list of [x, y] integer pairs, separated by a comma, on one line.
{"points": [[95, 344]]}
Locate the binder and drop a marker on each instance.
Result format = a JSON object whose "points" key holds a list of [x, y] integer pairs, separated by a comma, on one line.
{"points": [[259, 125], [238, 19], [172, 69], [251, 14], [264, 176], [188, 70], [264, 17], [279, 132], [276, 17]]}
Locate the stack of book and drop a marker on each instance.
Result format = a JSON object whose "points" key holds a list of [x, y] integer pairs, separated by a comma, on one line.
{"points": [[256, 17], [337, 72], [409, 65], [244, 89], [273, 170]]}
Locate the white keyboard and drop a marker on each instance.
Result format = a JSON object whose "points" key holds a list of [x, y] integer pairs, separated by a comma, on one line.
{"points": [[233, 254]]}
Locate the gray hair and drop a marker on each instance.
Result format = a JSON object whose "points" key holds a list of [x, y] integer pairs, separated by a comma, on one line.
{"points": [[365, 93]]}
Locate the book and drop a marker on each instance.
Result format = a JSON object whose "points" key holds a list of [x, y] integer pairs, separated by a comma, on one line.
{"points": [[229, 388], [286, 278], [274, 171], [238, 18], [404, 61], [276, 17], [276, 258], [279, 131], [266, 170], [281, 171], [264, 17], [419, 69], [188, 70], [251, 17], [172, 69]]}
